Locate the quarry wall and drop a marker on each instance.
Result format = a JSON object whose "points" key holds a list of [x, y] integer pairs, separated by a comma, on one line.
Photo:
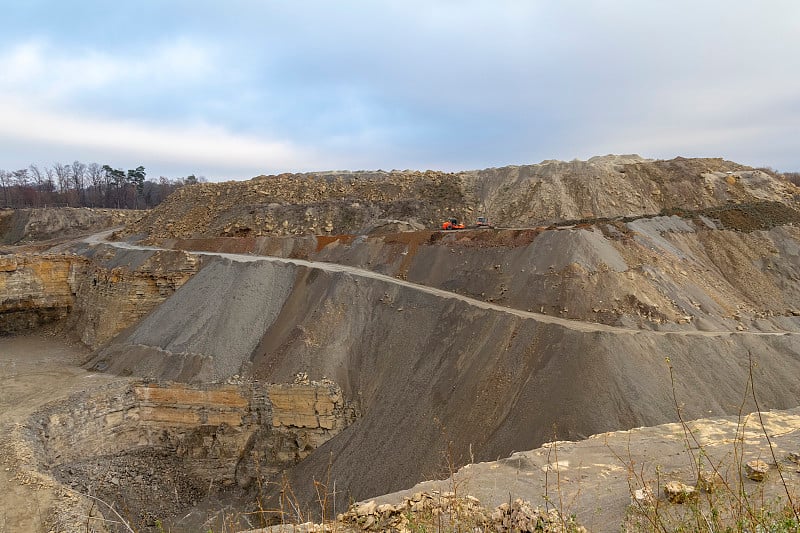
{"points": [[116, 289], [222, 433], [99, 296], [35, 290]]}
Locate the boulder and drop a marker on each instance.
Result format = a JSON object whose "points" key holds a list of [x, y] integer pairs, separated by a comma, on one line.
{"points": [[677, 492]]}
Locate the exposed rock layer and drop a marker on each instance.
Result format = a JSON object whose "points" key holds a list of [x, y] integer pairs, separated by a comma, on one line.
{"points": [[35, 290], [148, 447]]}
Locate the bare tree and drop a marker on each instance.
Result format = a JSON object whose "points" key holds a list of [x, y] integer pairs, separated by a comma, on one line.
{"points": [[62, 175], [78, 175], [21, 180], [39, 180], [5, 182], [50, 183], [94, 174]]}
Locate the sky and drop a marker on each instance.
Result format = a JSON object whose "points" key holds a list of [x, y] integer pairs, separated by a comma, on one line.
{"points": [[234, 89]]}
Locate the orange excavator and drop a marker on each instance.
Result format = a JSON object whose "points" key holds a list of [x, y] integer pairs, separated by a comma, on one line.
{"points": [[452, 223]]}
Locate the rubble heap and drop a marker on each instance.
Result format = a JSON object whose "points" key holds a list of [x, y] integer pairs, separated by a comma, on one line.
{"points": [[445, 511], [297, 204]]}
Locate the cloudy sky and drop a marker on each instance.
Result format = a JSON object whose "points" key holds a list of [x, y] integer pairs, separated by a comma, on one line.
{"points": [[237, 88]]}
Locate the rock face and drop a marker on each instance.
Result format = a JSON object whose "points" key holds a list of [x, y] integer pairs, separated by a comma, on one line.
{"points": [[309, 413], [35, 290], [113, 292], [304, 417], [200, 435], [99, 294]]}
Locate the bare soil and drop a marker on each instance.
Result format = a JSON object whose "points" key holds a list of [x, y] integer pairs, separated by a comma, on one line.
{"points": [[34, 370]]}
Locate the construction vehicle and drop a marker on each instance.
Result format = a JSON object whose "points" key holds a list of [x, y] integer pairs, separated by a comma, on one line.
{"points": [[483, 222], [452, 223]]}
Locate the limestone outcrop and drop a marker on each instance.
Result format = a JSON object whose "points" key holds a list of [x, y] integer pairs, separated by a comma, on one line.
{"points": [[99, 295], [36, 289], [200, 436], [113, 292]]}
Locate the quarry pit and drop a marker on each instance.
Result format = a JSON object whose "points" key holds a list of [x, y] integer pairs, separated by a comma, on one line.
{"points": [[187, 379]]}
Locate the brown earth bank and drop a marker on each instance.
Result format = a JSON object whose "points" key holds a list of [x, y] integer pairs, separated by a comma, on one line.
{"points": [[329, 203], [28, 226]]}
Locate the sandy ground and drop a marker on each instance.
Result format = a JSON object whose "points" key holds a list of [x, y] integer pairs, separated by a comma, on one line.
{"points": [[34, 370]]}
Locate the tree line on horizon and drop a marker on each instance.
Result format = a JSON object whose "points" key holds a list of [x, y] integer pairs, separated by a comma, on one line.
{"points": [[86, 185]]}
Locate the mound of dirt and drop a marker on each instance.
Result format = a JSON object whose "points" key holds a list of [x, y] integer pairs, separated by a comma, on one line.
{"points": [[33, 225], [616, 186], [329, 203], [296, 204]]}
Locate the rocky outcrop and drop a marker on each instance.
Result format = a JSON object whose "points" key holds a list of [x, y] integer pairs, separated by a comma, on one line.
{"points": [[98, 294], [221, 433], [307, 414], [115, 290], [36, 289]]}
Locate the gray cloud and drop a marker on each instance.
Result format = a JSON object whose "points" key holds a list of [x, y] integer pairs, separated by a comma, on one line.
{"points": [[438, 84]]}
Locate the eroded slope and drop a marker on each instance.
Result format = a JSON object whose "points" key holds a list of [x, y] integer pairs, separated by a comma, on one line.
{"points": [[432, 373]]}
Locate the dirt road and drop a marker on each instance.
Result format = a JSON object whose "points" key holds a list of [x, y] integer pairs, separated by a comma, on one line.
{"points": [[34, 370]]}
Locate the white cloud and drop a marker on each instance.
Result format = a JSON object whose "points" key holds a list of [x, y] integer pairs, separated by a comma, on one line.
{"points": [[39, 90], [38, 70], [196, 146]]}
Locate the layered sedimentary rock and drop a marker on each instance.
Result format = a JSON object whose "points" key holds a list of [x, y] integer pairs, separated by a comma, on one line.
{"points": [[99, 294], [36, 289], [116, 289], [218, 432]]}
